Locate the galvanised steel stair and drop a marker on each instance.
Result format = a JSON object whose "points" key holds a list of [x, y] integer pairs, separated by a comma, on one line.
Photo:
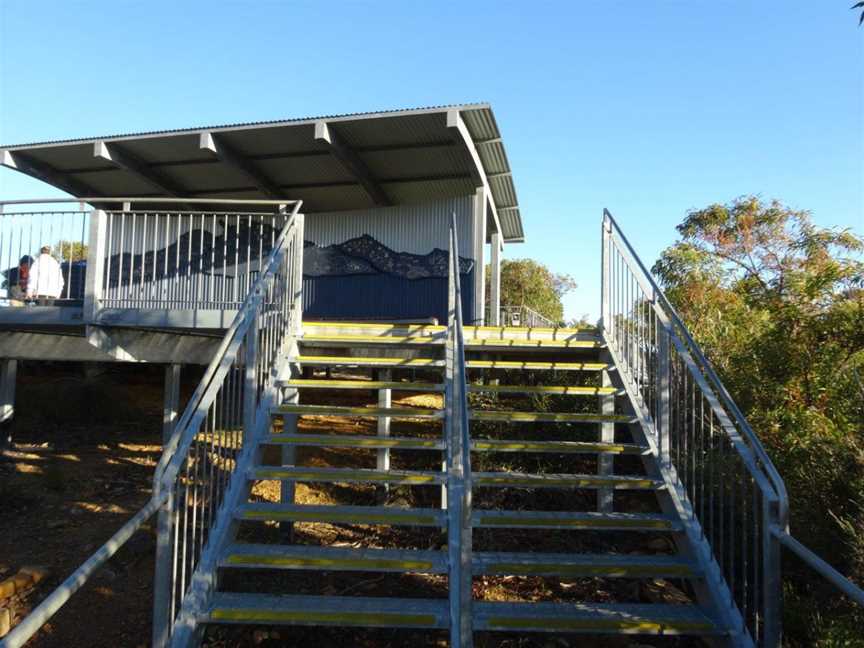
{"points": [[550, 424], [600, 481]]}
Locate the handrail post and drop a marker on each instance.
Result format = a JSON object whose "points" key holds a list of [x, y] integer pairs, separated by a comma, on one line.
{"points": [[605, 314], [163, 583], [297, 274], [772, 580], [95, 265], [250, 382]]}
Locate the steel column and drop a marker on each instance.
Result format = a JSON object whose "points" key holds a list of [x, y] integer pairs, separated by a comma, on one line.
{"points": [[772, 581], [8, 378], [479, 286], [605, 266], [385, 399], [495, 281], [95, 265], [605, 460], [162, 576], [288, 457], [171, 405]]}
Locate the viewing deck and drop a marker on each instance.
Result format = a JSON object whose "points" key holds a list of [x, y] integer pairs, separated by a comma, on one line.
{"points": [[141, 279]]}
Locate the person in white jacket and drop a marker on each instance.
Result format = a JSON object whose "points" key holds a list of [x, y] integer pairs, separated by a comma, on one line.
{"points": [[46, 280]]}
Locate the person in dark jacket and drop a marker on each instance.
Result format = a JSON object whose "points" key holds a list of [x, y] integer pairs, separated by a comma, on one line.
{"points": [[18, 292]]}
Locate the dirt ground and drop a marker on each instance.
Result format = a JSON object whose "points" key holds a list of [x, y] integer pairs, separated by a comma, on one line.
{"points": [[82, 464]]}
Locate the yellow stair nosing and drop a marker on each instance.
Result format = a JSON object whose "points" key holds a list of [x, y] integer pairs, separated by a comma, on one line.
{"points": [[563, 390], [362, 384], [371, 325], [358, 360], [536, 343], [339, 410], [355, 441], [521, 480], [251, 615], [537, 365], [552, 417], [372, 339], [587, 447], [625, 625]]}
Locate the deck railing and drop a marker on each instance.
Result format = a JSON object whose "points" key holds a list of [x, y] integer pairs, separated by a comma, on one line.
{"points": [[202, 468], [730, 495], [24, 232], [521, 316], [144, 253]]}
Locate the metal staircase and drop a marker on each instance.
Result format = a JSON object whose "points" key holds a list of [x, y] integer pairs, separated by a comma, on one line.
{"points": [[589, 425], [477, 459]]}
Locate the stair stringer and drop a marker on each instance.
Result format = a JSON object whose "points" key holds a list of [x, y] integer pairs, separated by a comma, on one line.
{"points": [[712, 591], [187, 631]]}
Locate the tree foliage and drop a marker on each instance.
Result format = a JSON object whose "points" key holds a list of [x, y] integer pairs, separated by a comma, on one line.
{"points": [[71, 250], [525, 282], [777, 303]]}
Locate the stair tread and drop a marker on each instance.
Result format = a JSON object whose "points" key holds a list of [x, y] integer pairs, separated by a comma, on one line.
{"points": [[522, 343], [362, 384], [559, 331], [294, 473], [343, 410], [537, 364], [333, 558], [562, 417], [372, 326], [630, 618], [345, 361], [565, 480], [577, 447], [623, 565], [574, 520], [327, 610], [564, 390], [383, 515], [343, 338], [356, 441]]}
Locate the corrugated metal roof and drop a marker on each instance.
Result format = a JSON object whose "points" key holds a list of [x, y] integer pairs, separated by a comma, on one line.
{"points": [[410, 154]]}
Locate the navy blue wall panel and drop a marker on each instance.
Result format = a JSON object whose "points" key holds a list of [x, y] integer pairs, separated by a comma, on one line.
{"points": [[381, 297]]}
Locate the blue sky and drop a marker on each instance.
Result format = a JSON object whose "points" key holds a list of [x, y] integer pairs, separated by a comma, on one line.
{"points": [[647, 108]]}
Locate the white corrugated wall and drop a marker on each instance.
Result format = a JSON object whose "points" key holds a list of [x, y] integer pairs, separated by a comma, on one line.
{"points": [[416, 229]]}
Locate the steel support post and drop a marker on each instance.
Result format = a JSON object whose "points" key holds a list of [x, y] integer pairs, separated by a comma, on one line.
{"points": [[605, 312], [8, 378], [95, 265], [171, 405], [772, 581], [385, 399], [288, 457], [605, 460], [162, 578], [495, 281]]}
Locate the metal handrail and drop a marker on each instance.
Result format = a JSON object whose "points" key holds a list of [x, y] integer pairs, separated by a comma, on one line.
{"points": [[170, 461], [705, 365], [821, 567], [459, 504], [643, 348], [151, 199]]}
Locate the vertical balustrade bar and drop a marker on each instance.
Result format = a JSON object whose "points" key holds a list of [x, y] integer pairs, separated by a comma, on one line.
{"points": [[664, 385]]}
